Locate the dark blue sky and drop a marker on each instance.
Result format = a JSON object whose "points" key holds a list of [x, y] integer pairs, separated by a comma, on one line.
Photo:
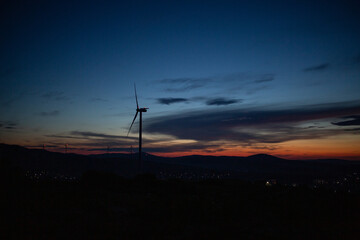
{"points": [[69, 67]]}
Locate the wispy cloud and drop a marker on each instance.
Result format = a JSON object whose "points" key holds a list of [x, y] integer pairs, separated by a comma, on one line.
{"points": [[98, 100], [356, 130], [208, 101], [221, 101], [94, 134], [250, 128], [9, 101], [88, 135], [265, 78], [237, 80], [55, 95], [49, 114], [354, 122], [252, 125], [167, 149], [320, 67], [184, 84], [184, 80], [253, 90], [9, 125], [87, 140], [168, 101]]}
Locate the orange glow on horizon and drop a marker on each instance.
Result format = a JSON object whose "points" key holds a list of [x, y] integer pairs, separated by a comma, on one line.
{"points": [[286, 154], [340, 146]]}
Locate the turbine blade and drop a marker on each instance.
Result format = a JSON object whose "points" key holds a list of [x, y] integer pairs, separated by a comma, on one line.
{"points": [[132, 123], [137, 104]]}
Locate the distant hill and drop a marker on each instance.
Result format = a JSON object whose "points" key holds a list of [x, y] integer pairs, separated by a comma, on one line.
{"points": [[13, 156], [58, 163], [255, 167]]}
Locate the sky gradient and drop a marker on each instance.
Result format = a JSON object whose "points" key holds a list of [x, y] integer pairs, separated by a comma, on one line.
{"points": [[219, 77]]}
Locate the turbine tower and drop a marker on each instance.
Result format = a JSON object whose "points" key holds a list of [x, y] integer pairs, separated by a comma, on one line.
{"points": [[141, 110]]}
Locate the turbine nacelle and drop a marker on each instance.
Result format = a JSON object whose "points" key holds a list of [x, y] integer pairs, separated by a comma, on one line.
{"points": [[142, 109]]}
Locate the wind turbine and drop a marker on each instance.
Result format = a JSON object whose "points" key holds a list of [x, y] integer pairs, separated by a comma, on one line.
{"points": [[141, 110]]}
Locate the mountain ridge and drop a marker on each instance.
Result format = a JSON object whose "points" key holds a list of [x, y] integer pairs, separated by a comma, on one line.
{"points": [[258, 166]]}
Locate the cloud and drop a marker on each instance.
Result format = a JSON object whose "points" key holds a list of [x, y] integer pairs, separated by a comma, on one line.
{"points": [[55, 95], [251, 125], [184, 80], [10, 100], [49, 114], [93, 134], [217, 130], [221, 101], [62, 136], [168, 101], [357, 130], [256, 89], [91, 139], [354, 122], [46, 146], [94, 141], [10, 125], [88, 135], [98, 100], [166, 149], [235, 80], [184, 88], [184, 84], [317, 67], [265, 78], [246, 78], [252, 83], [208, 101]]}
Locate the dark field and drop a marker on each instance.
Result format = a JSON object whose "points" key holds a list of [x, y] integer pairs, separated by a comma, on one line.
{"points": [[105, 206]]}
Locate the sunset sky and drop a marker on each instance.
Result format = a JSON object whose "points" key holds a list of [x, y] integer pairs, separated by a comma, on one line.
{"points": [[219, 77]]}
